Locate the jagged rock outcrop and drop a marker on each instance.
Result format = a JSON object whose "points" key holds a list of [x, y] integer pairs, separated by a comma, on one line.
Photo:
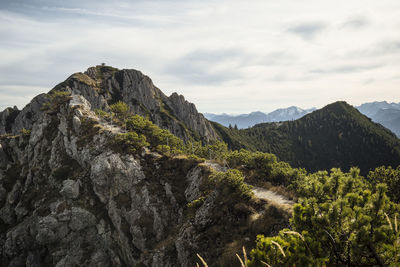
{"points": [[68, 197], [103, 86], [13, 120], [7, 117]]}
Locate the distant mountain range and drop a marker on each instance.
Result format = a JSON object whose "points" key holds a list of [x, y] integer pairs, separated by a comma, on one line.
{"points": [[337, 135], [387, 114], [249, 120]]}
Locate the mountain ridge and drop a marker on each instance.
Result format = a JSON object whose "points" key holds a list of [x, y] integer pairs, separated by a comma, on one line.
{"points": [[387, 114], [383, 112], [337, 135], [104, 85], [250, 119]]}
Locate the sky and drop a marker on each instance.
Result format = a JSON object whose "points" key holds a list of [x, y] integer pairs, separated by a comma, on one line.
{"points": [[224, 56]]}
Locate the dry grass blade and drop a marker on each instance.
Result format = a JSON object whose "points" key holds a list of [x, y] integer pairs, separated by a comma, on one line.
{"points": [[266, 264], [202, 260], [295, 233], [197, 265], [241, 262], [279, 247], [387, 218], [244, 255], [395, 222]]}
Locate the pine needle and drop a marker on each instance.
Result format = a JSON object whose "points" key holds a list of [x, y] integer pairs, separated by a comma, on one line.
{"points": [[241, 262], [390, 223], [244, 255], [279, 247], [295, 233], [266, 264], [202, 260]]}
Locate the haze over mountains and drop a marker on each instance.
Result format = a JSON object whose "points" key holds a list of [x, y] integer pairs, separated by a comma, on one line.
{"points": [[387, 114], [337, 135], [248, 120]]}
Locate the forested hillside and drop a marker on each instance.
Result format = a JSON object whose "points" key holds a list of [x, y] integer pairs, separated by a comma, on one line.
{"points": [[335, 136]]}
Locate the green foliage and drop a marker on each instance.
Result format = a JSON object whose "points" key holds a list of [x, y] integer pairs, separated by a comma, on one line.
{"points": [[241, 157], [235, 139], [263, 167], [288, 248], [216, 150], [162, 140], [193, 206], [389, 176], [120, 109], [163, 149], [25, 132], [130, 141], [231, 183], [55, 99], [340, 219], [102, 114], [196, 203]]}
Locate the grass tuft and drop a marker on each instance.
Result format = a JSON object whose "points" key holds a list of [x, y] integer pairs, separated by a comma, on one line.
{"points": [[295, 233], [390, 223], [266, 264], [279, 247], [202, 260], [241, 261], [244, 255]]}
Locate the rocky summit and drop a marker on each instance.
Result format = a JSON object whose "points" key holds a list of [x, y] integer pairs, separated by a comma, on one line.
{"points": [[102, 86], [70, 196]]}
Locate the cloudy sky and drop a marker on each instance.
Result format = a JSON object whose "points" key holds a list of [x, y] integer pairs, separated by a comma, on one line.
{"points": [[225, 56]]}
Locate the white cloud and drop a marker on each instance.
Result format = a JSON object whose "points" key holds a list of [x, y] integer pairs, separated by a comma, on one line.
{"points": [[225, 56]]}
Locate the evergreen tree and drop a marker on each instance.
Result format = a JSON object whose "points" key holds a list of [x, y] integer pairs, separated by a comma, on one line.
{"points": [[340, 220], [120, 109]]}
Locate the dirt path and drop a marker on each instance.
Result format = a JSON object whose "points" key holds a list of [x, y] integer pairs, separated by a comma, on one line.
{"points": [[109, 126], [259, 192], [269, 195], [112, 128]]}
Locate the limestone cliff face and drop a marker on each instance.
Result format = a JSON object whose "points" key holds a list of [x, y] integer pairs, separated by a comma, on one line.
{"points": [[69, 198]]}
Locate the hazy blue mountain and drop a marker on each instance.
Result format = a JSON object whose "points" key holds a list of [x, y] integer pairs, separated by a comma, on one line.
{"points": [[288, 114], [371, 109], [387, 114], [241, 121], [253, 118]]}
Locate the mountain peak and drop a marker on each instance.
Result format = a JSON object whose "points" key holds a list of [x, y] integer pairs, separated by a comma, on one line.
{"points": [[337, 135], [103, 85]]}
